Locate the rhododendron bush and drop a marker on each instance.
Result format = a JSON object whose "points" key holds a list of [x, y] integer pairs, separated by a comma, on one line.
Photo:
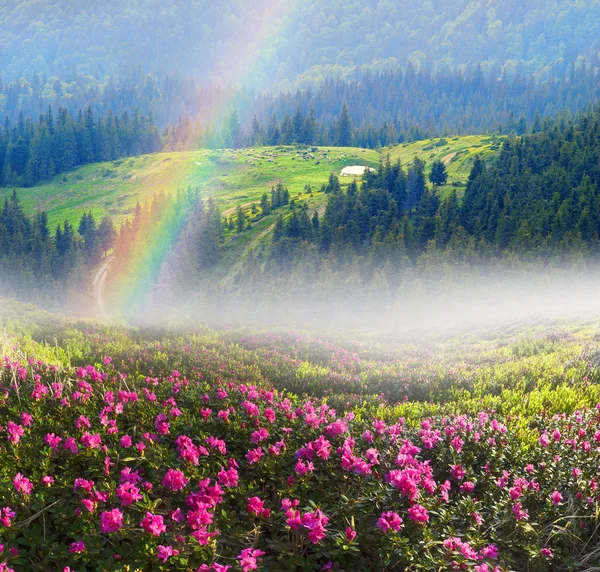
{"points": [[184, 453]]}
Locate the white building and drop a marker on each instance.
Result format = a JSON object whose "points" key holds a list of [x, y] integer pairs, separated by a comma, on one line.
{"points": [[355, 171]]}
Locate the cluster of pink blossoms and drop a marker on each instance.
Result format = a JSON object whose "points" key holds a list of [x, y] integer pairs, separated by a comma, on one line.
{"points": [[314, 522]]}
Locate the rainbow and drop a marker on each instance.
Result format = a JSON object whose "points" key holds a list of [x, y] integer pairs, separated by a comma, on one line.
{"points": [[244, 58]]}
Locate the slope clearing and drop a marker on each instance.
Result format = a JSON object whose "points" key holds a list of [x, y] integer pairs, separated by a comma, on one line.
{"points": [[231, 177], [457, 153]]}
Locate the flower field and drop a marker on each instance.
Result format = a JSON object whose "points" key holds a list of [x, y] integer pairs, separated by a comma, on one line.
{"points": [[123, 449]]}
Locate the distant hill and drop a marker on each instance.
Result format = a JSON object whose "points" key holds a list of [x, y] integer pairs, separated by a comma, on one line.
{"points": [[231, 177], [272, 42]]}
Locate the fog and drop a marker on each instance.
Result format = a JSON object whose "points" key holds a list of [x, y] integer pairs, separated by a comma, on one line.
{"points": [[422, 304]]}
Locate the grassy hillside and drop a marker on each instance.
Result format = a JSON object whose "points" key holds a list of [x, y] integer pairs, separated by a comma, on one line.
{"points": [[232, 177], [457, 153]]}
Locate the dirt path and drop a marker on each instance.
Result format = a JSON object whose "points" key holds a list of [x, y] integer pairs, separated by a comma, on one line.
{"points": [[98, 286], [228, 212], [446, 160]]}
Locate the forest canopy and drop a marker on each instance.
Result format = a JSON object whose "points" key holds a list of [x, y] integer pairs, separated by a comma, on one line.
{"points": [[304, 39]]}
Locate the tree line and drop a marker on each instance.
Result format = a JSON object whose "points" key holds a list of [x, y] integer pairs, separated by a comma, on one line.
{"points": [[388, 108], [37, 264], [31, 151], [383, 108]]}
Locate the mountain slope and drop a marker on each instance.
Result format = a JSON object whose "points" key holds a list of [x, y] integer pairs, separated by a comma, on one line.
{"points": [[272, 42], [231, 177]]}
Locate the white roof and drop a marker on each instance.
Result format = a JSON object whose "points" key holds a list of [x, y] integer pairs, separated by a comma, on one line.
{"points": [[355, 170]]}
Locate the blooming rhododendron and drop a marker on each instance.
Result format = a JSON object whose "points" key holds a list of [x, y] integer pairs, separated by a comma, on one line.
{"points": [[322, 471], [418, 513], [22, 484], [111, 521], [154, 524], [249, 558], [174, 480], [389, 521], [163, 553], [77, 547]]}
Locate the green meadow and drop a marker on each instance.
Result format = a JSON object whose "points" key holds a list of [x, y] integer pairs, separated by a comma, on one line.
{"points": [[457, 153], [230, 177]]}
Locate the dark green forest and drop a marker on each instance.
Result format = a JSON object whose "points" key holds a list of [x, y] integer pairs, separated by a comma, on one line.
{"points": [[539, 197], [32, 151], [538, 201], [385, 107], [37, 264]]}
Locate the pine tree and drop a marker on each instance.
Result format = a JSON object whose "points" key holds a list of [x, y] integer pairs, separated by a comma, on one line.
{"points": [[234, 131], [311, 129], [345, 131], [107, 234], [264, 205], [438, 175], [298, 123], [240, 219]]}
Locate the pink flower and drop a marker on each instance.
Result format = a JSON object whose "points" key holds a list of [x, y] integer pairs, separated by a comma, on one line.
{"points": [[452, 544], [128, 493], [467, 486], [254, 455], [163, 553], [315, 522], [350, 534], [259, 436], [490, 551], [546, 552], [84, 484], [77, 547], [203, 536], [303, 468], [126, 441], [129, 476], [248, 557], [22, 484], [556, 497], [111, 521], [53, 441], [15, 432], [48, 480], [458, 472], [372, 456], [7, 515], [154, 524], [519, 512], [257, 508], [389, 520], [71, 446], [88, 504], [228, 478], [418, 513], [174, 480]]}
